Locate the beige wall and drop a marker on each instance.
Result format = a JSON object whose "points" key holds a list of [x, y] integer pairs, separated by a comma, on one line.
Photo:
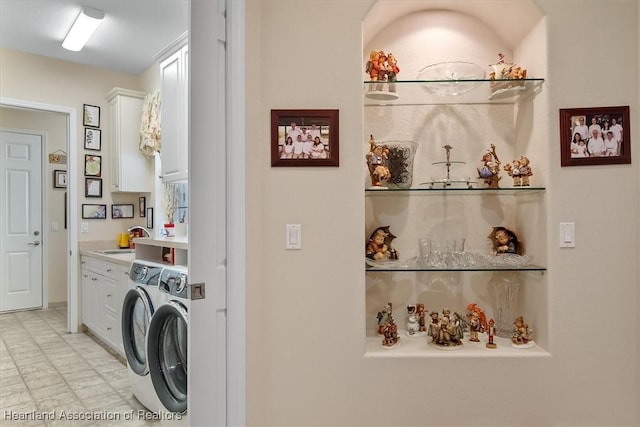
{"points": [[305, 309], [54, 127]]}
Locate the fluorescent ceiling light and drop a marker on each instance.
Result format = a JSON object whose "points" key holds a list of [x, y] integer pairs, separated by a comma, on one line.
{"points": [[85, 24]]}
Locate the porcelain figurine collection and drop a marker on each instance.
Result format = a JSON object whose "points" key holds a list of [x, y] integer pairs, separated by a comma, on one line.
{"points": [[446, 330]]}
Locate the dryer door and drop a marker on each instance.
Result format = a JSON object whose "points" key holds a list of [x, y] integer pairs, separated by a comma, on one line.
{"points": [[137, 310], [167, 346]]}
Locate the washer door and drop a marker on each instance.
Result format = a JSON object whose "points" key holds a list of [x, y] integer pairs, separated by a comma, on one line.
{"points": [[167, 346], [137, 310]]}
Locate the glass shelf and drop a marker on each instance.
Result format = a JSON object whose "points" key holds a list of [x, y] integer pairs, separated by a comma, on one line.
{"points": [[437, 92], [416, 268], [438, 189]]}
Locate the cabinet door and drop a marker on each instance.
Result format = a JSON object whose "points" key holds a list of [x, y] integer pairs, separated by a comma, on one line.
{"points": [[131, 171], [174, 90]]}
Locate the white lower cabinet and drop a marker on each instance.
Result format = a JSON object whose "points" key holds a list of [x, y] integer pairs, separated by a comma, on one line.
{"points": [[104, 285]]}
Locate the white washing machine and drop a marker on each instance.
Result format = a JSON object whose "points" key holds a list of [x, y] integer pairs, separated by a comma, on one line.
{"points": [[167, 344], [138, 308]]}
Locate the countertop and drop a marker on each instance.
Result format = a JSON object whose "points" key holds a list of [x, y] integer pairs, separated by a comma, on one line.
{"points": [[123, 259]]}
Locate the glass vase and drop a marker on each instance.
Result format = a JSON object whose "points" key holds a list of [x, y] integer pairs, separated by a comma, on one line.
{"points": [[506, 291]]}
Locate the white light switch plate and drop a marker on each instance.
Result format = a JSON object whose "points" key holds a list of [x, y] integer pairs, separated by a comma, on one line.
{"points": [[84, 227], [567, 234], [293, 236]]}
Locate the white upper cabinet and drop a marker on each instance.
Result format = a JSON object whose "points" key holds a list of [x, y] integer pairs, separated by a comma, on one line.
{"points": [[131, 171], [174, 94]]}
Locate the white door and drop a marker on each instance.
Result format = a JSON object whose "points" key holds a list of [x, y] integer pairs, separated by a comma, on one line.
{"points": [[20, 221]]}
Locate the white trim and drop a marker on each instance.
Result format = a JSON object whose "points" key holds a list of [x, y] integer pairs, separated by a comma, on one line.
{"points": [[236, 225], [72, 200]]}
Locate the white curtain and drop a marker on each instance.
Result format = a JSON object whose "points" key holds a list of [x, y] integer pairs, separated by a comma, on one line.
{"points": [[150, 141]]}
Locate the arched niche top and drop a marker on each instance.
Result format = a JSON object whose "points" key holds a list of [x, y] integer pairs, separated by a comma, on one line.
{"points": [[511, 20]]}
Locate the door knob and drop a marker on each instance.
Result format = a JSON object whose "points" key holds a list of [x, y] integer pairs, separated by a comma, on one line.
{"points": [[35, 243]]}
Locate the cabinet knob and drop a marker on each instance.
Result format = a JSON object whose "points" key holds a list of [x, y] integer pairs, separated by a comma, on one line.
{"points": [[108, 295], [94, 278]]}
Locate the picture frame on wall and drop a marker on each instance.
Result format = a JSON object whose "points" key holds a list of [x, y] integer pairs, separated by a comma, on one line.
{"points": [[59, 179], [121, 211], [149, 217], [305, 138], [142, 206], [92, 139], [91, 115], [94, 211], [92, 165], [93, 187], [595, 136]]}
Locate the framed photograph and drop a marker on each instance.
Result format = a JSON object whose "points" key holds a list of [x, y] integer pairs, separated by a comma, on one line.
{"points": [[92, 165], [93, 187], [92, 139], [91, 115], [90, 211], [65, 210], [149, 217], [595, 136], [305, 138], [122, 211], [142, 206], [59, 179]]}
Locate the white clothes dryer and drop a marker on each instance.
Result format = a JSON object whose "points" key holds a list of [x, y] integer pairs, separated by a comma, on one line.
{"points": [[138, 308], [167, 343]]}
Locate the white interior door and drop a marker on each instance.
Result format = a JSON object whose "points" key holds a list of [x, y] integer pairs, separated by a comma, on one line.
{"points": [[21, 280]]}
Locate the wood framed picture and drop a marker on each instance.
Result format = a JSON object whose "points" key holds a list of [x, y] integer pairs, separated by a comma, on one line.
{"points": [[92, 165], [93, 187], [305, 138], [92, 139], [59, 179], [142, 206], [595, 136], [122, 211], [91, 211], [91, 115]]}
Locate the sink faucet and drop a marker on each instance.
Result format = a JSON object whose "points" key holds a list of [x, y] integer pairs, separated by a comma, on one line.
{"points": [[139, 227]]}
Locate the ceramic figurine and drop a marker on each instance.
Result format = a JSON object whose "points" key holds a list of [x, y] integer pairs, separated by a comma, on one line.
{"points": [[421, 313], [477, 321], [522, 334], [372, 67], [379, 245], [525, 170], [513, 170], [506, 70], [445, 330], [383, 317], [377, 161], [491, 331], [392, 75], [490, 170], [390, 333], [412, 320], [504, 241]]}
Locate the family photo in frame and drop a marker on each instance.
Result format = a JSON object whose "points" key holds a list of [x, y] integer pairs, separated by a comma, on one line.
{"points": [[304, 138], [595, 136]]}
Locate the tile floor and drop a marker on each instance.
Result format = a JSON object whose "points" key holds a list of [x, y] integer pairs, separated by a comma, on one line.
{"points": [[44, 371]]}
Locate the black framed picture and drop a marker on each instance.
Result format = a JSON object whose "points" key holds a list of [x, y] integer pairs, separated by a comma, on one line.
{"points": [[93, 187], [59, 179], [91, 211], [121, 211], [142, 206], [92, 139], [91, 115], [149, 217], [92, 165]]}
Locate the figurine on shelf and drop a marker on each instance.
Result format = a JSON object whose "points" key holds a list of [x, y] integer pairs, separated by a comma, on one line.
{"points": [[504, 241], [525, 170], [390, 333], [513, 170], [379, 245], [377, 161], [491, 331], [477, 321], [372, 67], [421, 313], [392, 75], [445, 330], [522, 335], [412, 320], [490, 171], [383, 317], [506, 70]]}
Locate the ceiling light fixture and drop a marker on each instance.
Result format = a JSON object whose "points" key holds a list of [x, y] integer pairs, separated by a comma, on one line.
{"points": [[85, 24]]}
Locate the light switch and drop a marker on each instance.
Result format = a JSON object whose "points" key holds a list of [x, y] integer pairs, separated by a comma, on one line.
{"points": [[84, 227], [293, 236], [54, 225], [567, 234]]}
